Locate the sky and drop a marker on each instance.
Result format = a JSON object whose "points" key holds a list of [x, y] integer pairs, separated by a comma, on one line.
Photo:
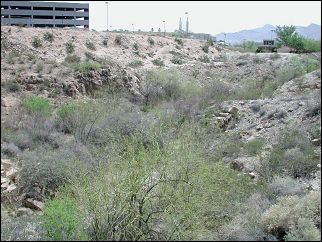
{"points": [[204, 16]]}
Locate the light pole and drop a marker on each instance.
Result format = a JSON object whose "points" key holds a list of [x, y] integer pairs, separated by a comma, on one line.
{"points": [[272, 30], [187, 24], [164, 27], [106, 15]]}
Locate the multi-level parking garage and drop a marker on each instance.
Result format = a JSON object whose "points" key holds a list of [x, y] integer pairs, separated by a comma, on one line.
{"points": [[44, 14]]}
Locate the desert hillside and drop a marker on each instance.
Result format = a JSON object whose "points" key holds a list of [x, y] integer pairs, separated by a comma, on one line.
{"points": [[121, 136]]}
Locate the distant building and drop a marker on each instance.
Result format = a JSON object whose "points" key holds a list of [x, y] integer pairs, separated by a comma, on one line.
{"points": [[201, 36], [44, 14]]}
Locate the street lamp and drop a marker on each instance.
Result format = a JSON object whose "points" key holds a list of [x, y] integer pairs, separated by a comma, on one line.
{"points": [[164, 27], [106, 15], [187, 24], [272, 30]]}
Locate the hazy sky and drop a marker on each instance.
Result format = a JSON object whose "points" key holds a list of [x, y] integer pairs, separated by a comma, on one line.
{"points": [[204, 16]]}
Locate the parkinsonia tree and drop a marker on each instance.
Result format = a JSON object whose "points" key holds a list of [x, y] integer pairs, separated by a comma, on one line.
{"points": [[287, 35]]}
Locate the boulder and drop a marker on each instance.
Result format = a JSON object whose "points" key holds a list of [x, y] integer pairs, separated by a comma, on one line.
{"points": [[233, 110], [24, 211], [34, 204], [236, 165], [316, 142], [11, 188]]}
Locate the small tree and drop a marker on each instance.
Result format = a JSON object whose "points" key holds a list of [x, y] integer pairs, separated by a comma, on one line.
{"points": [[287, 35]]}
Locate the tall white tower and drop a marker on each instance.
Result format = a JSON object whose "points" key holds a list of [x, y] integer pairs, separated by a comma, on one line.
{"points": [[180, 25]]}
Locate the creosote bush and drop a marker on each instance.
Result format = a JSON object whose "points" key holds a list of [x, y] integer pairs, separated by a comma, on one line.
{"points": [[158, 62], [151, 41], [118, 39], [70, 47], [48, 36], [36, 42], [90, 45], [87, 66]]}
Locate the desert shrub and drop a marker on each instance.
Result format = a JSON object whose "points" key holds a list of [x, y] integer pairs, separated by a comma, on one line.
{"points": [[135, 46], [36, 105], [10, 149], [22, 228], [48, 36], [118, 39], [204, 59], [39, 67], [61, 221], [12, 86], [274, 56], [87, 66], [310, 64], [160, 85], [44, 170], [72, 59], [179, 41], [288, 211], [90, 45], [315, 130], [286, 186], [299, 163], [269, 89], [254, 147], [136, 63], [205, 48], [305, 230], [36, 42], [158, 62], [246, 225], [294, 69], [255, 107], [78, 118], [151, 41], [216, 92], [70, 47], [257, 59], [311, 45], [177, 60]]}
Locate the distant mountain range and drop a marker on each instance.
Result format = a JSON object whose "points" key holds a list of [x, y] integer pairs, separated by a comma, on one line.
{"points": [[312, 31]]}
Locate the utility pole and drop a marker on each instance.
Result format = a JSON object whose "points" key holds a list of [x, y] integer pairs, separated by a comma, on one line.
{"points": [[106, 15], [164, 27], [187, 24]]}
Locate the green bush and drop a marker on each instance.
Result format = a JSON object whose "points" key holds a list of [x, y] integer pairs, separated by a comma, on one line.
{"points": [[39, 67], [286, 186], [12, 86], [179, 41], [136, 63], [61, 220], [158, 62], [87, 66], [36, 105], [118, 39], [311, 45], [294, 69], [90, 45], [70, 47], [72, 59], [305, 230], [254, 147], [289, 211], [205, 48], [49, 36], [151, 41], [204, 59], [136, 46], [36, 42], [177, 60]]}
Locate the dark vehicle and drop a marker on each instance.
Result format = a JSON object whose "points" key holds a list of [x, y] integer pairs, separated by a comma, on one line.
{"points": [[267, 46]]}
